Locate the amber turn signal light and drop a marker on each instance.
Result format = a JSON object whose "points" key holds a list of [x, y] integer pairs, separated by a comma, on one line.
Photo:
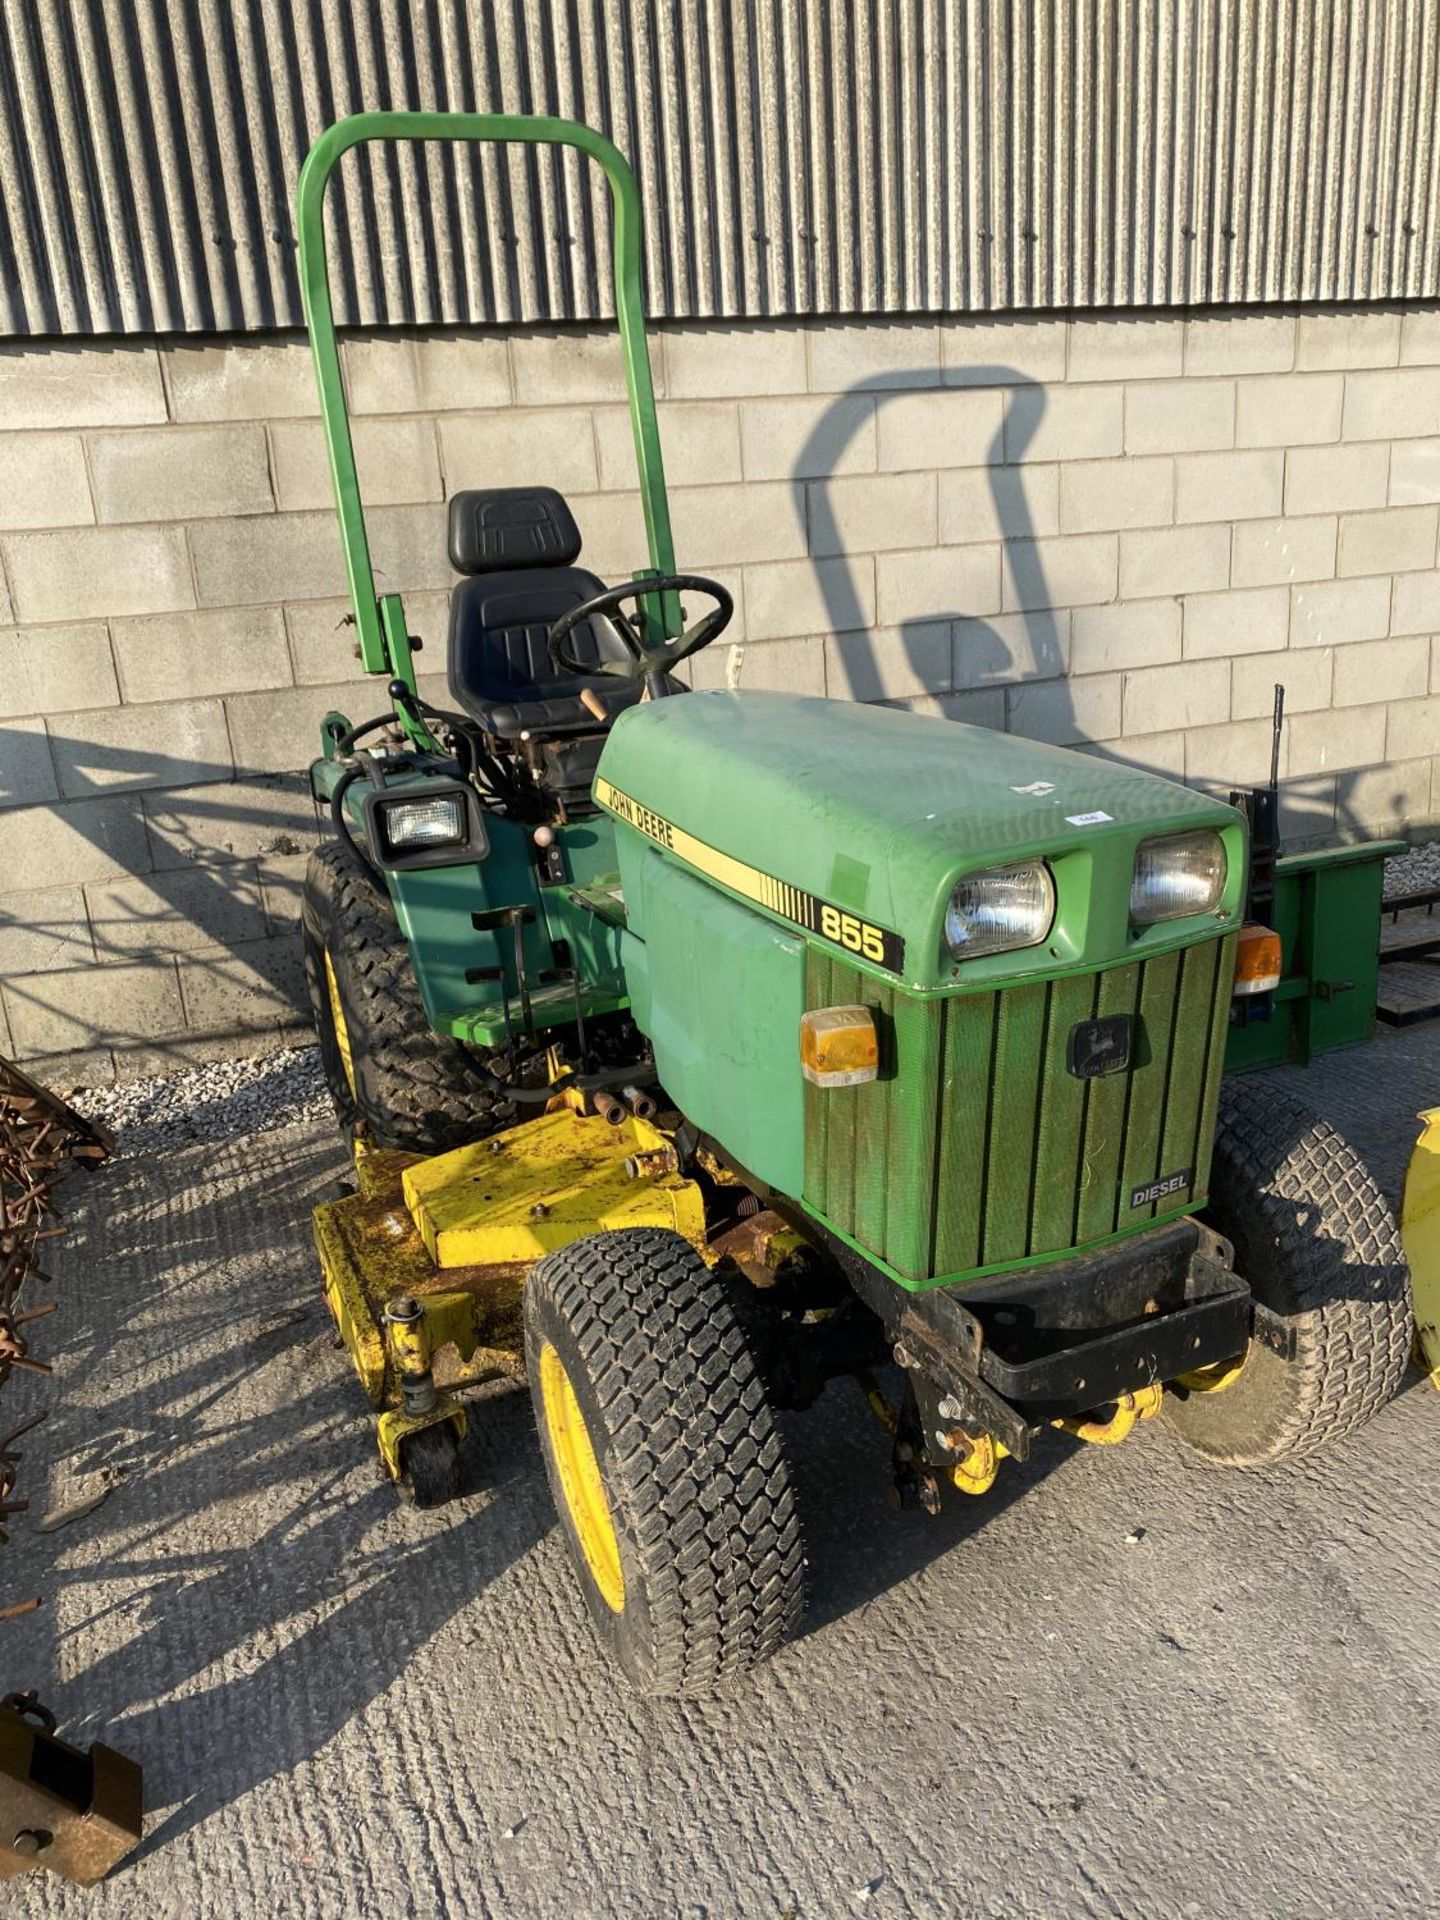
{"points": [[839, 1046], [1257, 960]]}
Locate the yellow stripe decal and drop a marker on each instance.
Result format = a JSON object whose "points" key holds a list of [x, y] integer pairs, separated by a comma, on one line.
{"points": [[860, 938]]}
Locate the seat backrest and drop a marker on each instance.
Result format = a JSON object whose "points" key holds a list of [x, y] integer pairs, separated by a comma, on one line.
{"points": [[497, 529]]}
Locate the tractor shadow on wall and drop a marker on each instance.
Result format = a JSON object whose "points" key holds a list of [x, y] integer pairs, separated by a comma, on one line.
{"points": [[978, 657], [212, 931], [991, 681], [217, 923]]}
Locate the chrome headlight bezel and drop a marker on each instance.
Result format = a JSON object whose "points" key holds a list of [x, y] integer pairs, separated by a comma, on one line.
{"points": [[1028, 924], [1190, 891]]}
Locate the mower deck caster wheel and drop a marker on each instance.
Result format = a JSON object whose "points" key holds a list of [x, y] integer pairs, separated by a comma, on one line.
{"points": [[430, 1465]]}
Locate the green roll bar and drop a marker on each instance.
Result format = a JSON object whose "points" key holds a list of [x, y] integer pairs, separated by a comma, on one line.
{"points": [[380, 622]]}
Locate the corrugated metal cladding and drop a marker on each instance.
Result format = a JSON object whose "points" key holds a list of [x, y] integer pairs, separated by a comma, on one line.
{"points": [[796, 156]]}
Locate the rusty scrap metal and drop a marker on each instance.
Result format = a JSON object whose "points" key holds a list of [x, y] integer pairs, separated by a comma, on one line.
{"points": [[9, 1460], [41, 1138]]}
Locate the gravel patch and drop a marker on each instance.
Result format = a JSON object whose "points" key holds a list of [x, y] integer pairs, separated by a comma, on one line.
{"points": [[1409, 872], [219, 1100]]}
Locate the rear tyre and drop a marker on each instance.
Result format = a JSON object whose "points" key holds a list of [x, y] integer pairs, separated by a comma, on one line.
{"points": [[1317, 1242], [665, 1460], [385, 1066]]}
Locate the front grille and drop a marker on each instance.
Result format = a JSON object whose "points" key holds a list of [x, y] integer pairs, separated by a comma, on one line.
{"points": [[977, 1146]]}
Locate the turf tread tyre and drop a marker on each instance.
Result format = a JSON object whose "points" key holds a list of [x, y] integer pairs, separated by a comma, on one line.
{"points": [[1317, 1240], [690, 1453], [415, 1089]]}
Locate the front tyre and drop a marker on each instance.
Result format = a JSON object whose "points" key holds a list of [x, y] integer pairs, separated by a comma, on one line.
{"points": [[664, 1458], [1316, 1240], [385, 1066]]}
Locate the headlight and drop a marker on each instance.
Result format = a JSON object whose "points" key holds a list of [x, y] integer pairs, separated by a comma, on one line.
{"points": [[1180, 874], [993, 912], [432, 822], [423, 823]]}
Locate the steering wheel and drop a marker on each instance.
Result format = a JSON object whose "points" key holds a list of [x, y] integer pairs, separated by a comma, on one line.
{"points": [[645, 660]]}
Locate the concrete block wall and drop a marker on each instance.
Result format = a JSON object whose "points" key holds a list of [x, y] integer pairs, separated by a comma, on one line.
{"points": [[1110, 532]]}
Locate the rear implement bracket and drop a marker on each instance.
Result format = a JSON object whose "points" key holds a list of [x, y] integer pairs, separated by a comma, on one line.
{"points": [[77, 1814]]}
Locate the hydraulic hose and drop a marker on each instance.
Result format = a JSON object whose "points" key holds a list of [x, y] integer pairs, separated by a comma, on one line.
{"points": [[346, 741], [342, 825]]}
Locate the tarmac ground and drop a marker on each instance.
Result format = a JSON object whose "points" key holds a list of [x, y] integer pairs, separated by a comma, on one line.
{"points": [[1121, 1684]]}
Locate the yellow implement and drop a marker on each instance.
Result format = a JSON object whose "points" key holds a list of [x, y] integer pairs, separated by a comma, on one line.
{"points": [[1420, 1233], [1143, 1404], [425, 1264], [976, 1472], [523, 1193]]}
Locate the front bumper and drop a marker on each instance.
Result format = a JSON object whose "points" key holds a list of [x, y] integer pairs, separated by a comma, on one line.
{"points": [[1062, 1339], [1008, 1354]]}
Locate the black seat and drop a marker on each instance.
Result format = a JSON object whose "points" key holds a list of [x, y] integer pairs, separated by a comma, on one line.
{"points": [[517, 545]]}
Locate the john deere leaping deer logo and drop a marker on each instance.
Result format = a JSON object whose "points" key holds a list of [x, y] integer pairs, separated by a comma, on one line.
{"points": [[1100, 1046]]}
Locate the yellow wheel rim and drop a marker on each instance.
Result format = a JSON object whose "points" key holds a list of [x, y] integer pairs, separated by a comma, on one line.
{"points": [[580, 1481], [337, 1015]]}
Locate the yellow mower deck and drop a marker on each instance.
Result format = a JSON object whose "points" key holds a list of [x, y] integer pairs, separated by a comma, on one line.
{"points": [[457, 1233]]}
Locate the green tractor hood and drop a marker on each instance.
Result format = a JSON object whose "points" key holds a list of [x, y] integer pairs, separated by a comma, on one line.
{"points": [[854, 823]]}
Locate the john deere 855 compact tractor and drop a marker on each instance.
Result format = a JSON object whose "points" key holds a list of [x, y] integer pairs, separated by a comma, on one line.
{"points": [[702, 1048]]}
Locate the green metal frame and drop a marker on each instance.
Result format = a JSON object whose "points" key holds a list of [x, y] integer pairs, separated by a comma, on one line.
{"points": [[380, 621], [1326, 911], [467, 977]]}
